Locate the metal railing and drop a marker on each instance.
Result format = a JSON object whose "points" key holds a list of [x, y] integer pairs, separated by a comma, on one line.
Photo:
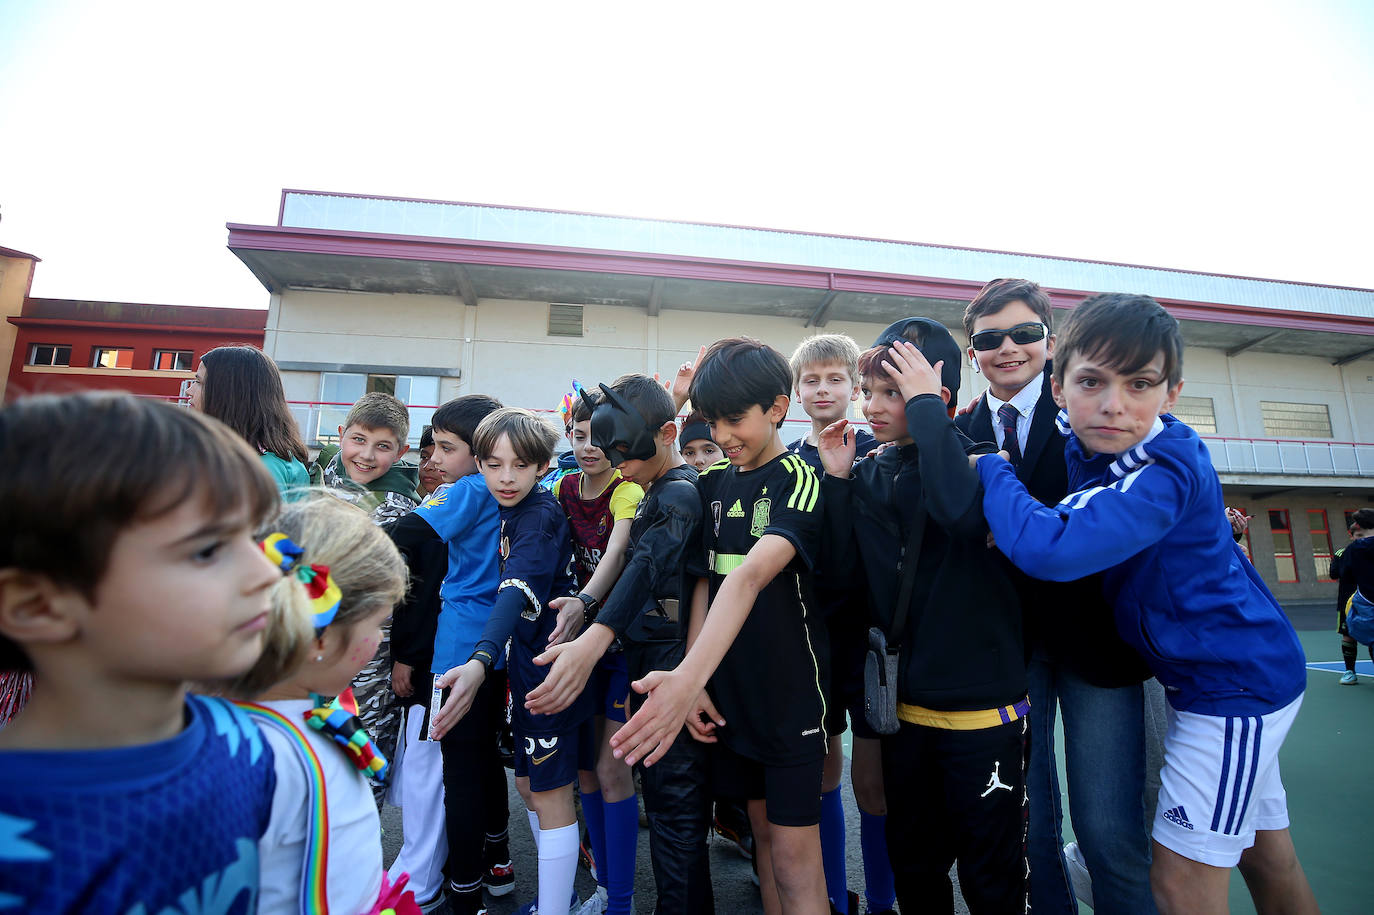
{"points": [[1290, 456]]}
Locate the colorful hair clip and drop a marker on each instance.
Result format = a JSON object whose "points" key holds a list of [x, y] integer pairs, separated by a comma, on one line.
{"points": [[281, 552], [320, 586]]}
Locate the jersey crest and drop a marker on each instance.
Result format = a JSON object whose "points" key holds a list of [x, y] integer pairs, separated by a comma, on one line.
{"points": [[760, 521], [715, 515]]}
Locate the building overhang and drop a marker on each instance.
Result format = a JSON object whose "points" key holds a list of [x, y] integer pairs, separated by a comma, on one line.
{"points": [[286, 257]]}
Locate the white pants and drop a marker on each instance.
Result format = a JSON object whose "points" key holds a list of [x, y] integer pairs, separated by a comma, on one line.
{"points": [[418, 789]]}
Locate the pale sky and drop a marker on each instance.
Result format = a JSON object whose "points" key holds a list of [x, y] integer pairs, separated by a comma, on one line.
{"points": [[1223, 137]]}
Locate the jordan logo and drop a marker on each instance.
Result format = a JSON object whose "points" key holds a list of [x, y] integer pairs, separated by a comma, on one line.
{"points": [[995, 780]]}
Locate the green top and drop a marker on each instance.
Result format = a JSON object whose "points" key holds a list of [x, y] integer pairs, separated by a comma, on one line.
{"points": [[290, 475]]}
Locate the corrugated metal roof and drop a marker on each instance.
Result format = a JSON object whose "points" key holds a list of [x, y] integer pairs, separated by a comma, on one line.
{"points": [[436, 219]]}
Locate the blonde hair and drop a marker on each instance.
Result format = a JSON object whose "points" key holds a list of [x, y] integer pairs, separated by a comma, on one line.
{"points": [[363, 562], [824, 349]]}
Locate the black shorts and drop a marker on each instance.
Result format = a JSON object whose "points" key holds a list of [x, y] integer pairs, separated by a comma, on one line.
{"points": [[552, 760], [848, 644], [791, 794]]}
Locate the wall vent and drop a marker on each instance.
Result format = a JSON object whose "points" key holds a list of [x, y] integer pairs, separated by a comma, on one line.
{"points": [[565, 320]]}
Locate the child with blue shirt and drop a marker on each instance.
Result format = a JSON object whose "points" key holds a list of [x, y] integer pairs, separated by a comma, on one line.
{"points": [[514, 449], [121, 580], [1146, 509]]}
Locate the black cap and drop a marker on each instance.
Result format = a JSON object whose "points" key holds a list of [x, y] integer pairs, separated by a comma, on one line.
{"points": [[693, 428], [935, 343]]}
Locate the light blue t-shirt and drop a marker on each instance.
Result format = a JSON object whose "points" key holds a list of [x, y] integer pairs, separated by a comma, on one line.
{"points": [[171, 826], [466, 517]]}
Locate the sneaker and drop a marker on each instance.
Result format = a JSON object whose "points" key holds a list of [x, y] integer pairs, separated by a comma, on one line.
{"points": [[532, 907], [500, 879], [1349, 679], [596, 903], [1078, 873]]}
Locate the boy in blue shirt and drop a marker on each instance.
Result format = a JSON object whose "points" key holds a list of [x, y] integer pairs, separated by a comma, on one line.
{"points": [[465, 516], [121, 579], [514, 448], [1146, 510]]}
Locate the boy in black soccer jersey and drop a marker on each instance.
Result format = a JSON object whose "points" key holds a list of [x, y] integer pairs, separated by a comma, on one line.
{"points": [[760, 643], [513, 448], [912, 519], [633, 425]]}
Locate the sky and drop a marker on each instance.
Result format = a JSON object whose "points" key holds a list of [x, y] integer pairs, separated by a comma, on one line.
{"points": [[1215, 136]]}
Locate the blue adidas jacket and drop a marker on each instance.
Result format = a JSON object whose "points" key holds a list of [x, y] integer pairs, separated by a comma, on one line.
{"points": [[1183, 593]]}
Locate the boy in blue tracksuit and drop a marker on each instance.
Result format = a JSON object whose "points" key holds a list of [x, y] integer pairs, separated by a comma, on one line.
{"points": [[1146, 509]]}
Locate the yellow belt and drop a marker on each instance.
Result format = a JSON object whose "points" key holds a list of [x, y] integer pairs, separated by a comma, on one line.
{"points": [[963, 721]]}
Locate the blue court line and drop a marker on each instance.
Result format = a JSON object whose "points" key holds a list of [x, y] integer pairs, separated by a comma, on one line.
{"points": [[1364, 668]]}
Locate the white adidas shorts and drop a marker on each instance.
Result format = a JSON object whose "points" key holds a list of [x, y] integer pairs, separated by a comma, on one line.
{"points": [[1220, 783]]}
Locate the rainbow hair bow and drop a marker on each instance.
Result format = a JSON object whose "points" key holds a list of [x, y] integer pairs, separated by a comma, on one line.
{"points": [[565, 406], [339, 721], [320, 586]]}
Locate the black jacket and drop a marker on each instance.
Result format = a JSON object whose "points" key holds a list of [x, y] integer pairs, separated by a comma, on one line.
{"points": [[416, 617], [962, 650], [1068, 622]]}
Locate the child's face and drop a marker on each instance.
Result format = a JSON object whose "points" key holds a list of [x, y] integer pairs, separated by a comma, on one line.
{"points": [[185, 596], [430, 479], [885, 409], [343, 652], [744, 438], [368, 453], [589, 457], [509, 477], [452, 456], [1010, 366], [825, 390], [701, 453], [1112, 412]]}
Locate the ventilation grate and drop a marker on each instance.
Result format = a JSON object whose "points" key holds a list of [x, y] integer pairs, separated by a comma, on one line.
{"points": [[565, 320]]}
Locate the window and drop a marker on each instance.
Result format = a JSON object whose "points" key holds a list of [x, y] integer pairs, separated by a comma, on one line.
{"points": [[1197, 412], [565, 320], [50, 354], [172, 360], [1321, 541], [340, 390], [1283, 545], [1296, 420], [112, 357]]}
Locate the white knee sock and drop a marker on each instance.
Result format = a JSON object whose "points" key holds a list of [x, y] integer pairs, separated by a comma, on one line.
{"points": [[557, 869], [534, 827]]}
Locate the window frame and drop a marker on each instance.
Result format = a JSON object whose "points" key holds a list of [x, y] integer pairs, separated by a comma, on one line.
{"points": [[97, 351], [1290, 555], [56, 348], [1271, 432], [189, 354]]}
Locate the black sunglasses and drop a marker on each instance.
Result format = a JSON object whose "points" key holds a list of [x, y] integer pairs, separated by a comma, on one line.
{"points": [[1022, 334]]}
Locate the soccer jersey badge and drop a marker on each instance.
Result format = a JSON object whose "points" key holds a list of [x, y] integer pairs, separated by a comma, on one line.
{"points": [[715, 515], [761, 510]]}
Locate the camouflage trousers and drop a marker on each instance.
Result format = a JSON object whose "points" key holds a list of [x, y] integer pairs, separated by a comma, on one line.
{"points": [[378, 708]]}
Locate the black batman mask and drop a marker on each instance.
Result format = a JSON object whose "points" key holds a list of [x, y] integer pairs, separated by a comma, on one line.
{"points": [[618, 429]]}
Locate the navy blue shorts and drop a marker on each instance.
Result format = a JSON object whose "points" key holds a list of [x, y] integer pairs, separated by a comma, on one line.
{"points": [[611, 687], [551, 761]]}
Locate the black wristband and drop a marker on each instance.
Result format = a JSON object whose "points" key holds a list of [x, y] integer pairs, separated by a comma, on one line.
{"points": [[589, 607]]}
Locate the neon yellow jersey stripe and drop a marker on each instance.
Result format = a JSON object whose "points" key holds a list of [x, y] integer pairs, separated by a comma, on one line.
{"points": [[807, 487], [725, 563]]}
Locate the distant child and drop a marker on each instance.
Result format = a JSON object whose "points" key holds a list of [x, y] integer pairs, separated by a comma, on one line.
{"points": [[1357, 582], [430, 480], [1146, 509], [911, 519], [341, 578], [1361, 528], [825, 381], [240, 386], [513, 448], [633, 426], [600, 505], [1077, 660], [122, 578], [453, 538], [761, 646], [695, 445], [363, 468]]}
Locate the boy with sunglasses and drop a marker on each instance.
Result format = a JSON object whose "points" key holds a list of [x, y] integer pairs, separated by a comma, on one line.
{"points": [[1076, 658]]}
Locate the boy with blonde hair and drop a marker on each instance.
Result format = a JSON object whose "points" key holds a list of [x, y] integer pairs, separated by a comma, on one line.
{"points": [[362, 469]]}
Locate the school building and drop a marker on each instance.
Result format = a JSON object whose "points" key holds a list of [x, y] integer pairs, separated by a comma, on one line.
{"points": [[431, 299]]}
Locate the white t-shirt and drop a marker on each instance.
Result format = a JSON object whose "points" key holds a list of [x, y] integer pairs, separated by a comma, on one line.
{"points": [[355, 830]]}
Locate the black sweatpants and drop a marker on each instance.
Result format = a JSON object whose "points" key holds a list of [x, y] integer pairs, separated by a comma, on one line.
{"points": [[957, 796], [475, 791]]}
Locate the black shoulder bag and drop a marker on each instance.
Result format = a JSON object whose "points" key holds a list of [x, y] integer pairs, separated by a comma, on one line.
{"points": [[881, 662]]}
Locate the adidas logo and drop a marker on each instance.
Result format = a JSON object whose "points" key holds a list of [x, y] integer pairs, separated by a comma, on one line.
{"points": [[736, 511], [1178, 817]]}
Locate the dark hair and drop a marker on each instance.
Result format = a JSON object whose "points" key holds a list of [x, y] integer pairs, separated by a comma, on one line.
{"points": [[581, 412], [462, 415], [929, 336], [63, 502], [738, 373], [426, 437], [1124, 331], [1363, 519], [531, 438], [655, 405], [243, 390], [998, 294]]}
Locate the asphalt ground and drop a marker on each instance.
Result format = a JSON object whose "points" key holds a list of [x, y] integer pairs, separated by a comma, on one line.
{"points": [[1325, 763]]}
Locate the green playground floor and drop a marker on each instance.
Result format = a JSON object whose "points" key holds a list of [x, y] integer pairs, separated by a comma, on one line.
{"points": [[1326, 764]]}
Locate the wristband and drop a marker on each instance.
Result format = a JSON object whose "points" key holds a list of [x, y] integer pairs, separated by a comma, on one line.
{"points": [[589, 607]]}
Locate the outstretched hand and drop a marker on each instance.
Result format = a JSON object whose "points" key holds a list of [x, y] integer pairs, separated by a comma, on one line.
{"points": [[572, 666], [571, 612], [836, 445], [650, 732], [464, 680], [912, 372]]}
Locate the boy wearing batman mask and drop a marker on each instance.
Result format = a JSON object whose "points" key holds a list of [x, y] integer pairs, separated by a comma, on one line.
{"points": [[633, 425]]}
